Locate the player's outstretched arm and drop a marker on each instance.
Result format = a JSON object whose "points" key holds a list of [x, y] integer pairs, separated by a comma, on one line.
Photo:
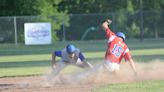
{"points": [[106, 23], [88, 64], [83, 64], [133, 66]]}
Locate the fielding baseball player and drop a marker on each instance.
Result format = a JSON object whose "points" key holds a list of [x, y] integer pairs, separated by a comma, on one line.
{"points": [[116, 49], [69, 55]]}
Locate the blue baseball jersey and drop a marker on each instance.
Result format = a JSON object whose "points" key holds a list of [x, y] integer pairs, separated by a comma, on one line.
{"points": [[65, 56]]}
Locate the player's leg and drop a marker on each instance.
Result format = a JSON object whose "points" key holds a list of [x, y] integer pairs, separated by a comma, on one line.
{"points": [[111, 66]]}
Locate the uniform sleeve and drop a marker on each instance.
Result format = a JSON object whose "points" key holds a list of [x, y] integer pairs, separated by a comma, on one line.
{"points": [[58, 53], [127, 55], [109, 33], [81, 56]]}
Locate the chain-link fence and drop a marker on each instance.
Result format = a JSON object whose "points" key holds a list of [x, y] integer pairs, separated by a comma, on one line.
{"points": [[145, 24]]}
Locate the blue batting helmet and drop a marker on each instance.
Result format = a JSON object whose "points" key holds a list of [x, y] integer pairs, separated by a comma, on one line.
{"points": [[121, 34], [70, 48]]}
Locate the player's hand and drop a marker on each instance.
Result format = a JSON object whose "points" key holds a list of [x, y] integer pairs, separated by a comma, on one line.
{"points": [[90, 65], [109, 21], [87, 64], [136, 75]]}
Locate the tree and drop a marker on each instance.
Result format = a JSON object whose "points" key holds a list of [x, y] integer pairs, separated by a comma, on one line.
{"points": [[46, 9], [125, 13]]}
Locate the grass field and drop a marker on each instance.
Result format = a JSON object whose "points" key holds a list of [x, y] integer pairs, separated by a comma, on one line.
{"points": [[146, 86], [24, 60]]}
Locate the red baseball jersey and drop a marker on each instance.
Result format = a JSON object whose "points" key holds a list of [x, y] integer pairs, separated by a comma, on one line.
{"points": [[116, 49]]}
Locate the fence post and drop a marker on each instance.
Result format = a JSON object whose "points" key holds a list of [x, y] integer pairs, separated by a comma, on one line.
{"points": [[63, 28], [15, 31], [141, 18]]}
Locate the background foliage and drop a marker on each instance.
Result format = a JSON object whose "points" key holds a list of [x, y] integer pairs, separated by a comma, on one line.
{"points": [[136, 18]]}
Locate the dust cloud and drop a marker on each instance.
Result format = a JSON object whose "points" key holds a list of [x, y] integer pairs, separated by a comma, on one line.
{"points": [[153, 70]]}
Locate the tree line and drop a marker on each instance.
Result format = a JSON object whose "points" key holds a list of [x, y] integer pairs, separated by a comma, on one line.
{"points": [[121, 9]]}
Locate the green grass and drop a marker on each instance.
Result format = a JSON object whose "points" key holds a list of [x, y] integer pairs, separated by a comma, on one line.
{"points": [[146, 86], [21, 71], [24, 60]]}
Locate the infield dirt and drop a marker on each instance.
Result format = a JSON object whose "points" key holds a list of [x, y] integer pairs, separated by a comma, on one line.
{"points": [[84, 81]]}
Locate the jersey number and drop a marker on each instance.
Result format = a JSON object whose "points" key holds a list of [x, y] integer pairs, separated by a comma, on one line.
{"points": [[117, 50]]}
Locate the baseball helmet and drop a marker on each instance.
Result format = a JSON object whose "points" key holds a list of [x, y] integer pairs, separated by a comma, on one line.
{"points": [[70, 48], [121, 34]]}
